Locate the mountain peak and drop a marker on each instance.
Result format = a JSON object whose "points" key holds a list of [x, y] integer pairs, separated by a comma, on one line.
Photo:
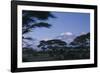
{"points": [[66, 33], [67, 37]]}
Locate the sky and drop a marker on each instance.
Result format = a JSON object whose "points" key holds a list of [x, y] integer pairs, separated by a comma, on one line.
{"points": [[65, 23]]}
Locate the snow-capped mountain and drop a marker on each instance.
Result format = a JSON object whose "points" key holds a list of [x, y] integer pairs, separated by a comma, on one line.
{"points": [[67, 37]]}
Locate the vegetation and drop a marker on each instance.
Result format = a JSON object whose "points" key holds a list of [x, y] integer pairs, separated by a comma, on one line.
{"points": [[59, 50], [32, 20], [54, 49]]}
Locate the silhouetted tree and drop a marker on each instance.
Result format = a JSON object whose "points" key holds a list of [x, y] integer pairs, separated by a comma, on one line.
{"points": [[56, 47], [54, 44], [42, 45], [34, 19], [82, 40]]}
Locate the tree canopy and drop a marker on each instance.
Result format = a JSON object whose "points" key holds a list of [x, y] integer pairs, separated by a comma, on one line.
{"points": [[82, 40], [34, 19], [52, 44]]}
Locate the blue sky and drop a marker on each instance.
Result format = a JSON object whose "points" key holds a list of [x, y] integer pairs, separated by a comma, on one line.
{"points": [[65, 22]]}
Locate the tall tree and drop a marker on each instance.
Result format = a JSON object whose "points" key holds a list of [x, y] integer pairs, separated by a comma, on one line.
{"points": [[34, 19]]}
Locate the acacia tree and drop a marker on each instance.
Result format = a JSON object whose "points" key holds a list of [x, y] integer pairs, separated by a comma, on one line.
{"points": [[82, 40], [54, 44], [82, 44], [43, 45], [32, 20], [56, 48]]}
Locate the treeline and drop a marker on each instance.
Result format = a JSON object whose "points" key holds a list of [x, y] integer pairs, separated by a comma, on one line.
{"points": [[56, 49]]}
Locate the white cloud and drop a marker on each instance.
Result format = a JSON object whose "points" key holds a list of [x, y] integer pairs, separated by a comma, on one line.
{"points": [[83, 33], [66, 33]]}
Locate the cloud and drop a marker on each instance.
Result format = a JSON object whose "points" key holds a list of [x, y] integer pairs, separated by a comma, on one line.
{"points": [[83, 33], [66, 33]]}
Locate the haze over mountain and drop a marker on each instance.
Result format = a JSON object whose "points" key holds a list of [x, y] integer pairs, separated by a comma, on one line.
{"points": [[67, 37]]}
